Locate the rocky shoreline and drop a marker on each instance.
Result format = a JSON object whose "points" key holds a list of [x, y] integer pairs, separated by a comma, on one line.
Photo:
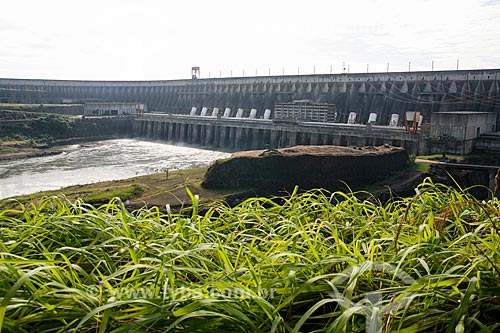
{"points": [[33, 153], [27, 150]]}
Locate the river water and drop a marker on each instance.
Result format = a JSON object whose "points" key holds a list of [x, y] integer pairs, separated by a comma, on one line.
{"points": [[98, 161]]}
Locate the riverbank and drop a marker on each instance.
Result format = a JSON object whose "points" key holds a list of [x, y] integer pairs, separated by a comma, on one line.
{"points": [[98, 161], [22, 149], [176, 189], [158, 189], [10, 150], [29, 134]]}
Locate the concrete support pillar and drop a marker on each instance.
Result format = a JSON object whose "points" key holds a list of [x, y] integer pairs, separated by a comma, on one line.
{"points": [[215, 136], [256, 141], [182, 132], [232, 137], [170, 136], [303, 138], [314, 139], [157, 130], [239, 138], [275, 139], [175, 130], [326, 139], [219, 138], [258, 138], [298, 138], [154, 133], [222, 137], [251, 139], [161, 132], [293, 138], [272, 139], [138, 128], [202, 134], [195, 139], [267, 137], [165, 131], [209, 136], [190, 133], [151, 129], [320, 139], [283, 142]]}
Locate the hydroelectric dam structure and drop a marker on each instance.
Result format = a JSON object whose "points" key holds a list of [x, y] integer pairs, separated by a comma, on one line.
{"points": [[385, 94]]}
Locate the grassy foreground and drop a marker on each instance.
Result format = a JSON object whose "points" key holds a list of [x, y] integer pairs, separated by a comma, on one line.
{"points": [[311, 262]]}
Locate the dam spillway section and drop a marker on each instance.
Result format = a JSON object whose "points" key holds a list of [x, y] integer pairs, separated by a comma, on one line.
{"points": [[249, 133]]}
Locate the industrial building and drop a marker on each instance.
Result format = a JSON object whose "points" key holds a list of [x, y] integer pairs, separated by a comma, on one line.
{"points": [[113, 108], [304, 110], [457, 132]]}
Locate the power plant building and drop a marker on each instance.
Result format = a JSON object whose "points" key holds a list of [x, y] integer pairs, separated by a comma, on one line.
{"points": [[457, 132], [304, 110], [113, 108]]}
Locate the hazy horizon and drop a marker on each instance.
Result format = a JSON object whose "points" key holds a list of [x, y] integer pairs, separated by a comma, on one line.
{"points": [[157, 40]]}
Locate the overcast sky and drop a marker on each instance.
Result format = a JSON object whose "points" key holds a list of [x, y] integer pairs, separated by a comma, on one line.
{"points": [[153, 39]]}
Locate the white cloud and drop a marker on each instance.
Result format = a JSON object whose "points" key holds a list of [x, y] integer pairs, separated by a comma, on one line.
{"points": [[153, 39]]}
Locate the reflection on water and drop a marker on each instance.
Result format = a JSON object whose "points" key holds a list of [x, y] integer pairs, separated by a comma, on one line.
{"points": [[97, 161]]}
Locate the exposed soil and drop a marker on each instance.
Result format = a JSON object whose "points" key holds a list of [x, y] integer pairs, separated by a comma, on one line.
{"points": [[318, 151]]}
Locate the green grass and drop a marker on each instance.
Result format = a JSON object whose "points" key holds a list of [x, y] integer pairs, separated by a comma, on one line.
{"points": [[438, 156], [419, 167], [311, 262], [456, 157], [89, 196], [120, 192]]}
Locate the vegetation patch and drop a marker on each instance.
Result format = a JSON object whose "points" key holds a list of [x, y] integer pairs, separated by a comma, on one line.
{"points": [[42, 129], [310, 262], [123, 193]]}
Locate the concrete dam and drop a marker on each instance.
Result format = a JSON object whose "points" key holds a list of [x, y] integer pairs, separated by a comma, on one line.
{"points": [[361, 93], [248, 103], [248, 134]]}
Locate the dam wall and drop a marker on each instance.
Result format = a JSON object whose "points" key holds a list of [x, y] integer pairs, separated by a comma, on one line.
{"points": [[362, 93], [253, 134]]}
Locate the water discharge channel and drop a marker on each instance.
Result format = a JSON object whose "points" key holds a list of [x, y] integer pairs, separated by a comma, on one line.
{"points": [[98, 161]]}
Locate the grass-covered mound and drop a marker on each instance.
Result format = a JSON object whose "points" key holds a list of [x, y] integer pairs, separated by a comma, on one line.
{"points": [[309, 262]]}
